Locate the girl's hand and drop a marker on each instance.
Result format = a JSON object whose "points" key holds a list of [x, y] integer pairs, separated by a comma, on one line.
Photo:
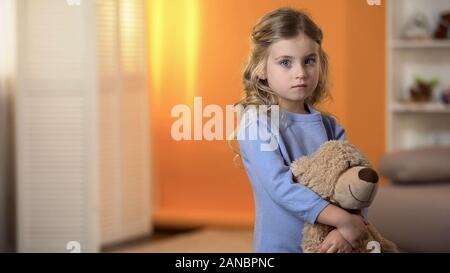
{"points": [[335, 243], [353, 229]]}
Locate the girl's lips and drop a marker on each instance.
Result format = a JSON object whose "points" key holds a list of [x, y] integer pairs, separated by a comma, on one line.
{"points": [[299, 86]]}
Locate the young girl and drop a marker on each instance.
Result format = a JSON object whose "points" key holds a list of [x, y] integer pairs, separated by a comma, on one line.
{"points": [[288, 68]]}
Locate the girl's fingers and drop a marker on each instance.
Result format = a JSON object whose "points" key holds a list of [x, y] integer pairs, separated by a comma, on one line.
{"points": [[324, 247], [344, 250], [332, 249]]}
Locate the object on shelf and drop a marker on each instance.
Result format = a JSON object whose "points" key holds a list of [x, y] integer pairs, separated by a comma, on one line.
{"points": [[443, 28], [417, 27], [445, 96], [423, 90]]}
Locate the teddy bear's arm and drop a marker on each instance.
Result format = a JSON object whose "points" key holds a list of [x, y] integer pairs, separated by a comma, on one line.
{"points": [[386, 245]]}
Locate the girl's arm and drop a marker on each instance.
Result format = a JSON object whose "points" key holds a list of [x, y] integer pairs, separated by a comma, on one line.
{"points": [[269, 170], [351, 226]]}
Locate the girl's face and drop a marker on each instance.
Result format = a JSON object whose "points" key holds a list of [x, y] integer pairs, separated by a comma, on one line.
{"points": [[292, 71]]}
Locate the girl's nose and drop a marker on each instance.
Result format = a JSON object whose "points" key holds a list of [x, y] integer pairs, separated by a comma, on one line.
{"points": [[300, 73]]}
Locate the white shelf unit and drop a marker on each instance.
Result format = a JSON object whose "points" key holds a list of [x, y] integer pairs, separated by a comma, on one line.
{"points": [[411, 125], [402, 44], [82, 125]]}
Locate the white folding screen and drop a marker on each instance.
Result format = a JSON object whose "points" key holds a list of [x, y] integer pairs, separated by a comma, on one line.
{"points": [[123, 128], [109, 127], [134, 120], [7, 83], [82, 126]]}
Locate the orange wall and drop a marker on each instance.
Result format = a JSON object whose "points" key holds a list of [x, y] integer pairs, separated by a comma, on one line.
{"points": [[200, 51]]}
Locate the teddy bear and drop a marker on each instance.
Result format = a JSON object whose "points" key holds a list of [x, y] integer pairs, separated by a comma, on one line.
{"points": [[340, 173]]}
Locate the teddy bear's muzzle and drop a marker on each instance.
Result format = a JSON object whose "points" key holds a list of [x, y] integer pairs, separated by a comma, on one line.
{"points": [[356, 188]]}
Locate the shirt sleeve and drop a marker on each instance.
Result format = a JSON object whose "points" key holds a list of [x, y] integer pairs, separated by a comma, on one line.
{"points": [[339, 131], [268, 168]]}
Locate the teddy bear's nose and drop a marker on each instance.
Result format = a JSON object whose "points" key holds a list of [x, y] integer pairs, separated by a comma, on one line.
{"points": [[368, 175]]}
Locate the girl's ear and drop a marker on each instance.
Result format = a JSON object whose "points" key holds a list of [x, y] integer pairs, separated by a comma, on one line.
{"points": [[261, 70], [262, 75]]}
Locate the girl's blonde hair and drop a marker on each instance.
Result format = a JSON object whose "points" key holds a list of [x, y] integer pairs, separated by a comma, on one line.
{"points": [[280, 24]]}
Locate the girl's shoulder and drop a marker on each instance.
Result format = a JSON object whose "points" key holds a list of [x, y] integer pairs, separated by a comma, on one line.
{"points": [[333, 128], [328, 118], [258, 128], [253, 118]]}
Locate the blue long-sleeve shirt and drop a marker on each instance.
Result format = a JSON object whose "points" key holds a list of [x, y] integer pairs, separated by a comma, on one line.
{"points": [[282, 207]]}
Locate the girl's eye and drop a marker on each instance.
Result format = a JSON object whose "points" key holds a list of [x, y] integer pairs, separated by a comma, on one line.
{"points": [[285, 63], [310, 61]]}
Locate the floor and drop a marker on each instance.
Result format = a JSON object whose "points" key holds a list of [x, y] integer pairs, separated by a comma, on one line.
{"points": [[202, 240]]}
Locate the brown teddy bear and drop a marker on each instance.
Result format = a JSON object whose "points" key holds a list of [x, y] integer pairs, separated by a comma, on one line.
{"points": [[340, 173]]}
